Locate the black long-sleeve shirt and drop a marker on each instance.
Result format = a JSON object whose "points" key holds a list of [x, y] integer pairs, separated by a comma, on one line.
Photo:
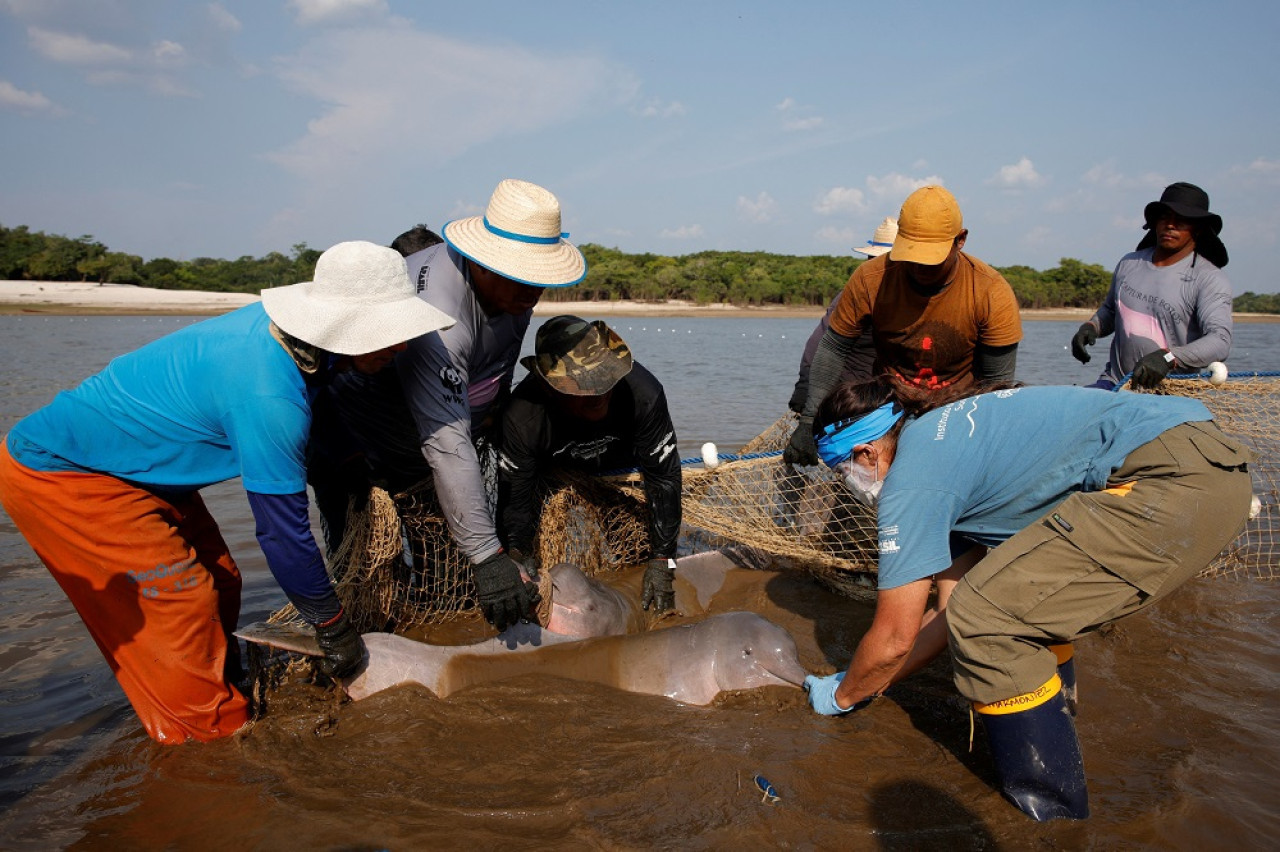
{"points": [[636, 432]]}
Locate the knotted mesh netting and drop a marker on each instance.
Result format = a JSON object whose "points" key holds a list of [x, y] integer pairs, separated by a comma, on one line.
{"points": [[398, 566]]}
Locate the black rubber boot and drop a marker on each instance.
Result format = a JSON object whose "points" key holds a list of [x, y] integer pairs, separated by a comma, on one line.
{"points": [[1066, 655], [1037, 755]]}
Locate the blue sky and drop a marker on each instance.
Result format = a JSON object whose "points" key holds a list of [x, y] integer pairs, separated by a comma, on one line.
{"points": [[221, 129]]}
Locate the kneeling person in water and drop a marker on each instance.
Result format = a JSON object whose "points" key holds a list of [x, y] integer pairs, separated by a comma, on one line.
{"points": [[588, 406]]}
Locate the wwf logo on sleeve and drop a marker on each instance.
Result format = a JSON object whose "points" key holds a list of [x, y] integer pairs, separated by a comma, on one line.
{"points": [[451, 379]]}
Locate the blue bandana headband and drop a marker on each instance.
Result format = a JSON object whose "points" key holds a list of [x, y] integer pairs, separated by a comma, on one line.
{"points": [[839, 439]]}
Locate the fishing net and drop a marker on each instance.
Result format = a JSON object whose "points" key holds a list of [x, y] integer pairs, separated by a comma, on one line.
{"points": [[398, 566], [1246, 407]]}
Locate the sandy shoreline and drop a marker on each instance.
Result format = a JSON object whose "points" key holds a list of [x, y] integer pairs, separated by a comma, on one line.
{"points": [[53, 298]]}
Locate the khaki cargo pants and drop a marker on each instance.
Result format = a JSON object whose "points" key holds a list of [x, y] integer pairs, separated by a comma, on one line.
{"points": [[1170, 508]]}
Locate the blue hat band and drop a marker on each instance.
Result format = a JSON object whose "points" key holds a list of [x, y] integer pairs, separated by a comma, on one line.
{"points": [[523, 238]]}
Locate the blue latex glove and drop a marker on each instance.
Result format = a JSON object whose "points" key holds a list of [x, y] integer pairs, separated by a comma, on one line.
{"points": [[822, 694]]}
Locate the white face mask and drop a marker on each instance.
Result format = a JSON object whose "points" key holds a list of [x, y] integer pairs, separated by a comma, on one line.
{"points": [[862, 483]]}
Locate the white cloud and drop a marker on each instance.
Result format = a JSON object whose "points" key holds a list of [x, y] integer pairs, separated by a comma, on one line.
{"points": [[797, 124], [11, 97], [894, 188], [1020, 175], [222, 19], [147, 67], [75, 49], [168, 53], [836, 236], [421, 97], [1261, 172], [841, 199], [684, 232], [1038, 236], [654, 108], [802, 124], [759, 210], [311, 12], [1104, 175]]}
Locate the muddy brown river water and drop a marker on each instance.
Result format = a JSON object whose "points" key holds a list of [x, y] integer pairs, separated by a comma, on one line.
{"points": [[1179, 720]]}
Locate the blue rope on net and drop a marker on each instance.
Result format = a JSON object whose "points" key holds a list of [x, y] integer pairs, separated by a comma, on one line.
{"points": [[1243, 374], [724, 457]]}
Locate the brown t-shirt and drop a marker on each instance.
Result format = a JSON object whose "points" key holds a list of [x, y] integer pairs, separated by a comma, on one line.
{"points": [[928, 340]]}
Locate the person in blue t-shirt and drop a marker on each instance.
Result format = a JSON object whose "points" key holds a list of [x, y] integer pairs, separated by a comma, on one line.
{"points": [[1094, 506], [104, 483]]}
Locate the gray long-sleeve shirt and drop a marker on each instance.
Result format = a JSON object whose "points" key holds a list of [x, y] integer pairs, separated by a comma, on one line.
{"points": [[1185, 308], [451, 380]]}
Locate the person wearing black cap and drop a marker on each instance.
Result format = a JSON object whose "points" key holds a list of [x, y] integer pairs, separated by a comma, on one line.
{"points": [[1169, 305], [588, 406]]}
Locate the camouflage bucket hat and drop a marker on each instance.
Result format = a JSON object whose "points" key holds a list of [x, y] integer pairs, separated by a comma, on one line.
{"points": [[577, 357]]}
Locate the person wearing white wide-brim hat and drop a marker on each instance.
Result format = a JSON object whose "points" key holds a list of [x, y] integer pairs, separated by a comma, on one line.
{"points": [[104, 483], [858, 363], [881, 240], [423, 423]]}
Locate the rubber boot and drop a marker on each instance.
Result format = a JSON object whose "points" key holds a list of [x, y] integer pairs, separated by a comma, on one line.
{"points": [[1066, 655], [1036, 752]]}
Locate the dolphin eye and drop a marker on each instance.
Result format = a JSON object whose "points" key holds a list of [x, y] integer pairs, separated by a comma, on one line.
{"points": [[746, 652]]}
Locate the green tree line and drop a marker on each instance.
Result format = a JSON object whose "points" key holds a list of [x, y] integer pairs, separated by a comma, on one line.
{"points": [[36, 256], [733, 277]]}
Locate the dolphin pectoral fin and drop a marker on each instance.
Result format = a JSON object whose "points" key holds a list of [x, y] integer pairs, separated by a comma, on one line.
{"points": [[286, 637], [705, 572]]}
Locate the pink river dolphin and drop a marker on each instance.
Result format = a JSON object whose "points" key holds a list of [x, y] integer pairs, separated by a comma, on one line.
{"points": [[594, 632]]}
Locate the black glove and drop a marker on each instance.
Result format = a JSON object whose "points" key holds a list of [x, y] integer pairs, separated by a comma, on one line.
{"points": [[659, 585], [801, 449], [342, 646], [799, 396], [1152, 369], [1086, 335], [505, 598]]}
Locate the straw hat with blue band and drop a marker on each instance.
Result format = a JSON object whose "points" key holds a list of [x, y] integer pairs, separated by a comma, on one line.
{"points": [[838, 439], [519, 237], [882, 240]]}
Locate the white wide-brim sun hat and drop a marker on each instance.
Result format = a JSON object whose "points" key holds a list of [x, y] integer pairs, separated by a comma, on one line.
{"points": [[882, 240], [360, 300], [519, 237]]}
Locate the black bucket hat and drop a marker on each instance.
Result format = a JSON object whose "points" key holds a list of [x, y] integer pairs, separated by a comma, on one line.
{"points": [[1190, 202], [577, 357]]}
